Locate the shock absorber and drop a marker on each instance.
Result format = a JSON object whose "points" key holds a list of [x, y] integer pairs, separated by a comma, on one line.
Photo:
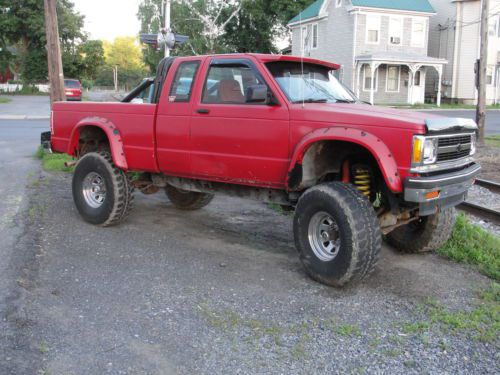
{"points": [[362, 180]]}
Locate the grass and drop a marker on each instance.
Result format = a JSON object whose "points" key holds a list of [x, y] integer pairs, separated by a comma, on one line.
{"points": [[53, 162], [5, 100], [481, 322], [493, 140], [473, 245]]}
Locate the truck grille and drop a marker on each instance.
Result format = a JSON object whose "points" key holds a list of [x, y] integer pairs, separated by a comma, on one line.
{"points": [[454, 147]]}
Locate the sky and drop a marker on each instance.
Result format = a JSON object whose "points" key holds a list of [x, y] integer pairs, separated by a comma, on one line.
{"points": [[107, 19]]}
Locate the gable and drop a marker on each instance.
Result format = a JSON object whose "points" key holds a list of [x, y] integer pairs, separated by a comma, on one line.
{"points": [[407, 5], [311, 11]]}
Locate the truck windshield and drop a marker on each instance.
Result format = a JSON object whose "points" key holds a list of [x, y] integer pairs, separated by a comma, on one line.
{"points": [[309, 83]]}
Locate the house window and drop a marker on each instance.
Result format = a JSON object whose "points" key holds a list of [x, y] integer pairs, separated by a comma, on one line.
{"points": [[315, 36], [416, 79], [489, 75], [367, 79], [395, 31], [338, 3], [393, 75], [372, 29], [493, 26], [304, 38], [418, 33]]}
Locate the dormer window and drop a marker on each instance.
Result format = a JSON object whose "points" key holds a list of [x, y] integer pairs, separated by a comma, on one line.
{"points": [[395, 31]]}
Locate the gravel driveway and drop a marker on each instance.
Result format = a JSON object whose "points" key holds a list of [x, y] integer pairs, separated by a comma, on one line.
{"points": [[220, 291]]}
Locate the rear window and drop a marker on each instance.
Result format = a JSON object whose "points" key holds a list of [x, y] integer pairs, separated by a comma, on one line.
{"points": [[71, 84]]}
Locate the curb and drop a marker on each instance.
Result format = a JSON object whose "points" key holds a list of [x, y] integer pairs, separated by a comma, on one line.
{"points": [[23, 117]]}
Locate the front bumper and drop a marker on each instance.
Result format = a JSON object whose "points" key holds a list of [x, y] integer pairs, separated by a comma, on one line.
{"points": [[451, 189]]}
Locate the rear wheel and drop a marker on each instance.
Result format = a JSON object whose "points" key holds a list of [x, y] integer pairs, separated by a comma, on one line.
{"points": [[188, 200], [336, 233], [102, 193], [425, 234]]}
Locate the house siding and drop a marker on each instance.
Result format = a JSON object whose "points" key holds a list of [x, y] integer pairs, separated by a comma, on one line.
{"points": [[334, 42], [363, 48], [459, 44]]}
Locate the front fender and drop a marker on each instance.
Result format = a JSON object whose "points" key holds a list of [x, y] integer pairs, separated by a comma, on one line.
{"points": [[112, 133], [373, 144]]}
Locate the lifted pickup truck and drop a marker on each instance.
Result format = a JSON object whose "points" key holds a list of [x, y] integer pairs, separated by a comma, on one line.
{"points": [[278, 129]]}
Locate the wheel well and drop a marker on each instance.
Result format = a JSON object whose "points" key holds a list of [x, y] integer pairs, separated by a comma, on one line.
{"points": [[323, 161], [91, 138]]}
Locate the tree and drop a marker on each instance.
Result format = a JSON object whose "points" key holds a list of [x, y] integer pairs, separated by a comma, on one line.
{"points": [[92, 53], [124, 52], [22, 27]]}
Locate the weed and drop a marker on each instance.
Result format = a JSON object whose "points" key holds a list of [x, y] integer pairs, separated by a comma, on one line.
{"points": [[391, 352], [473, 245], [53, 162], [418, 327], [492, 140], [43, 347], [5, 100]]}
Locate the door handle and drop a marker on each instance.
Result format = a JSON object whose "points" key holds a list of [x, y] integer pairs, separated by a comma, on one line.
{"points": [[203, 111]]}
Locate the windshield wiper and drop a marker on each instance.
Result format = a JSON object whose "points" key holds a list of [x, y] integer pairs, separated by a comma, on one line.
{"points": [[310, 100], [345, 101]]}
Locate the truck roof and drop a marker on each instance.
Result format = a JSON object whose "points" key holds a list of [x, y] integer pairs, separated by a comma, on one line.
{"points": [[265, 58]]}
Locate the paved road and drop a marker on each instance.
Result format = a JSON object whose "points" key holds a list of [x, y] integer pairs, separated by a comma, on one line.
{"points": [[25, 105], [492, 118], [216, 291]]}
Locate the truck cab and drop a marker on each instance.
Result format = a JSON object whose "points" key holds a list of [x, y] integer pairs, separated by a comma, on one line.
{"points": [[278, 129]]}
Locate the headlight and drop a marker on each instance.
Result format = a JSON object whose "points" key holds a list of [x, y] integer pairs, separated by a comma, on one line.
{"points": [[424, 150], [473, 144]]}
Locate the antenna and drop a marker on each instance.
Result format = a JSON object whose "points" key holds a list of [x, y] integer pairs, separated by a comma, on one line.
{"points": [[302, 47]]}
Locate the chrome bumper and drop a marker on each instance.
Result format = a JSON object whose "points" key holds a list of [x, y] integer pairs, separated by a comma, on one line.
{"points": [[452, 188]]}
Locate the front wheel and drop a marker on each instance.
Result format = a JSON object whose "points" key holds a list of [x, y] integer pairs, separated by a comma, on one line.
{"points": [[336, 234], [102, 193], [425, 234]]}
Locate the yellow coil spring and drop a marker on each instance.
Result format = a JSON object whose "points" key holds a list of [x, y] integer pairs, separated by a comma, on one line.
{"points": [[362, 180]]}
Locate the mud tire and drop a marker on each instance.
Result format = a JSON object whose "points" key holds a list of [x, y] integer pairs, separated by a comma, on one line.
{"points": [[119, 190], [187, 200], [358, 230], [426, 234]]}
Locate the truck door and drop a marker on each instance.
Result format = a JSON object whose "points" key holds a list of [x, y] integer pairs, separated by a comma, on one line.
{"points": [[234, 139], [173, 118]]}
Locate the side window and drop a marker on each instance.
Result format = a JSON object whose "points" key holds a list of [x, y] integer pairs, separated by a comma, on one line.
{"points": [[230, 84], [182, 86]]}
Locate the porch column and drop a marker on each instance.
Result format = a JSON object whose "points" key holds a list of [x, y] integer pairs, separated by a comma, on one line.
{"points": [[439, 69], [373, 67], [358, 76]]}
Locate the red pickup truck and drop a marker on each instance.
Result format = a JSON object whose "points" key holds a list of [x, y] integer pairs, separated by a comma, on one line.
{"points": [[278, 129]]}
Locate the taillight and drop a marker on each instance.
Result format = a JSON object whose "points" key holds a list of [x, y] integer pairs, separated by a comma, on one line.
{"points": [[52, 122]]}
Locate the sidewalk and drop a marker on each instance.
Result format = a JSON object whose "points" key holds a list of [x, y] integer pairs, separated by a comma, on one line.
{"points": [[25, 107]]}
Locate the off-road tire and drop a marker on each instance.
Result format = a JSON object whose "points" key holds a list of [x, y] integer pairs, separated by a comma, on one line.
{"points": [[428, 233], [187, 200], [358, 230], [119, 190]]}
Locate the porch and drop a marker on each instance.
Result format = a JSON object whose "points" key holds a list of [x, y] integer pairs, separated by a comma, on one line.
{"points": [[395, 77]]}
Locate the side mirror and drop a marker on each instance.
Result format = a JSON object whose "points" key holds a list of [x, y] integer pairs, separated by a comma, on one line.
{"points": [[257, 94]]}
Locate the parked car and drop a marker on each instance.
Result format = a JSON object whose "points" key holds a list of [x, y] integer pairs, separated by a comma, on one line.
{"points": [[73, 89], [278, 129]]}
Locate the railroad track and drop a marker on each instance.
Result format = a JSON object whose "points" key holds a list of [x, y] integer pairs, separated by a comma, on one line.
{"points": [[487, 213]]}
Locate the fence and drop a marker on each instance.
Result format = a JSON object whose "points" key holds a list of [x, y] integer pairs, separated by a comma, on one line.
{"points": [[13, 87]]}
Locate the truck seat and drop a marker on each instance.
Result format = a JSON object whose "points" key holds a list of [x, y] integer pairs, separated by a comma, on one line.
{"points": [[230, 91]]}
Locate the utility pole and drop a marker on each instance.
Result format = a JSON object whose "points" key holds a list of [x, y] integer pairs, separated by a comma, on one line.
{"points": [[482, 67], [166, 12], [54, 59]]}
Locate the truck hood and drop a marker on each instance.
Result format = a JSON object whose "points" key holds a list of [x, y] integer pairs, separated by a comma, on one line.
{"points": [[365, 115]]}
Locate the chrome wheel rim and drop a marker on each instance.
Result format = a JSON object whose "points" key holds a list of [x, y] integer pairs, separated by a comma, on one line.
{"points": [[324, 236], [94, 190]]}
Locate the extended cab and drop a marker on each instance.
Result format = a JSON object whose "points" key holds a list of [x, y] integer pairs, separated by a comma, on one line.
{"points": [[278, 129]]}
